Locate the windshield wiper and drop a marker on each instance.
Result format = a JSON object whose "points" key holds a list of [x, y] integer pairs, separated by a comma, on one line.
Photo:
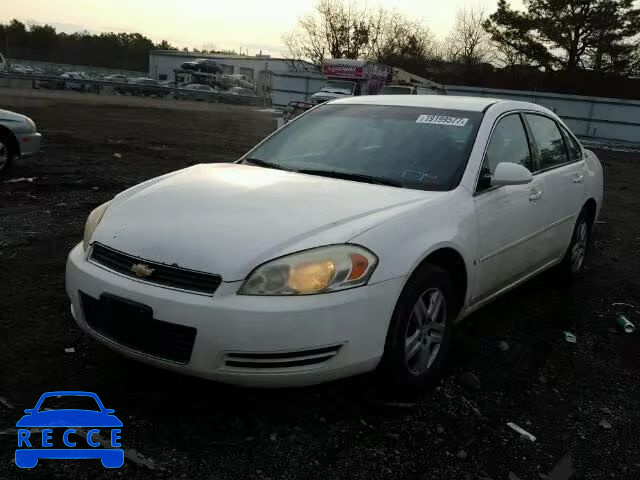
{"points": [[263, 163], [358, 177]]}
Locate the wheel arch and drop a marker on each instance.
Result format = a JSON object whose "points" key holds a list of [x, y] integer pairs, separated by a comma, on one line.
{"points": [[13, 141], [452, 261], [591, 209]]}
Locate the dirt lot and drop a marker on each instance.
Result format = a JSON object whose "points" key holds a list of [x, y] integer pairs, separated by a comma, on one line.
{"points": [[190, 428]]}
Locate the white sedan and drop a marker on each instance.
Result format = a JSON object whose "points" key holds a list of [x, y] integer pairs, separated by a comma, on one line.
{"points": [[19, 138], [351, 239]]}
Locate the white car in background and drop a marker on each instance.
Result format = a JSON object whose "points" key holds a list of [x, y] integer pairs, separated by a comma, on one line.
{"points": [[117, 78], [21, 69], [18, 138], [351, 239], [75, 81], [195, 91]]}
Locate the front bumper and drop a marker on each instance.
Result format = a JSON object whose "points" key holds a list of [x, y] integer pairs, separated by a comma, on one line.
{"points": [[231, 326], [29, 143]]}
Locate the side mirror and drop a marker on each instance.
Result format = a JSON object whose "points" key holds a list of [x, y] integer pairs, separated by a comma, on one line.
{"points": [[29, 411], [109, 410], [511, 174]]}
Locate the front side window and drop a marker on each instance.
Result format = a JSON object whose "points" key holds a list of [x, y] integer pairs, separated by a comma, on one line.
{"points": [[413, 147], [549, 141], [508, 144]]}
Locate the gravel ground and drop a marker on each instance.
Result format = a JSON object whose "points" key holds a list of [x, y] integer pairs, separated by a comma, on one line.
{"points": [[188, 428]]}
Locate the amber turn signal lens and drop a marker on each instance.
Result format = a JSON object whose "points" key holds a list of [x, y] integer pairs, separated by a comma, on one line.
{"points": [[312, 277], [359, 264]]}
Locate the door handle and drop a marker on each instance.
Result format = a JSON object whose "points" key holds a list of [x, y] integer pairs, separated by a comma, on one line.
{"points": [[578, 178], [535, 195]]}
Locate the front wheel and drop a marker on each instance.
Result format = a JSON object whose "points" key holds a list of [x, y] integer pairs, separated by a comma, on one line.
{"points": [[6, 153], [419, 333]]}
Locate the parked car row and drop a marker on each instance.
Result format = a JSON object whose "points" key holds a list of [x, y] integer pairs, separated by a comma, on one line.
{"points": [[196, 92], [143, 86], [25, 69]]}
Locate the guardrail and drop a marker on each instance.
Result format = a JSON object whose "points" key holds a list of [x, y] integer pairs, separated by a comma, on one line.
{"points": [[97, 86]]}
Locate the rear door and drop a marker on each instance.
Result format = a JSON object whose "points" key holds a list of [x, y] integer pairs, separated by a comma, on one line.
{"points": [[560, 165], [509, 218]]}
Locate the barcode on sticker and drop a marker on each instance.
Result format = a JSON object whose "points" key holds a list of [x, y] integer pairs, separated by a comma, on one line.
{"points": [[442, 120]]}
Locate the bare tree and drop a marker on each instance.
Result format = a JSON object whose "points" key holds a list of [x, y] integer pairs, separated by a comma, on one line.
{"points": [[209, 47], [347, 29], [507, 56], [468, 42], [392, 35], [304, 44], [337, 30]]}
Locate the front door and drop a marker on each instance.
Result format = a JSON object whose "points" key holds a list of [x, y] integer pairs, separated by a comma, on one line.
{"points": [[510, 218]]}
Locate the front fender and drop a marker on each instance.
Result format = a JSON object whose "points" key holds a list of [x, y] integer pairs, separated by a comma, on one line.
{"points": [[404, 241]]}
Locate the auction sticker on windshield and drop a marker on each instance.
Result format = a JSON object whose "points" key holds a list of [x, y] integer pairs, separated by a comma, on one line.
{"points": [[442, 120]]}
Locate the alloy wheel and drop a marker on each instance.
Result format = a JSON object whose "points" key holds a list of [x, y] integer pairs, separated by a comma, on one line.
{"points": [[579, 250], [4, 155], [425, 331]]}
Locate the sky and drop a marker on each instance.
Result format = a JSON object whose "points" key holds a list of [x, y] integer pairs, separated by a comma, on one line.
{"points": [[249, 25]]}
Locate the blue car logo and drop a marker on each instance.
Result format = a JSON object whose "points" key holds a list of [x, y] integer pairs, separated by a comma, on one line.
{"points": [[37, 429]]}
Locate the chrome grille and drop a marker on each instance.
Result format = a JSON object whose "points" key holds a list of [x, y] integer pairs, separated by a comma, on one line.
{"points": [[163, 275]]}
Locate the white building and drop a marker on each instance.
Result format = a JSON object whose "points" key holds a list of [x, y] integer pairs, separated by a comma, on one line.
{"points": [[279, 78], [162, 63]]}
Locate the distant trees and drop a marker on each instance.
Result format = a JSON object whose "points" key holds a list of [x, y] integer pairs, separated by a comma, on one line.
{"points": [[128, 51], [569, 35]]}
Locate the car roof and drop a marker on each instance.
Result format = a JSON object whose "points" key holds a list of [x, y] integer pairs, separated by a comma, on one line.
{"points": [[451, 102]]}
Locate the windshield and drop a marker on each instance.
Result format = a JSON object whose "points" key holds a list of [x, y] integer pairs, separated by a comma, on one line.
{"points": [[395, 91], [415, 147], [336, 86]]}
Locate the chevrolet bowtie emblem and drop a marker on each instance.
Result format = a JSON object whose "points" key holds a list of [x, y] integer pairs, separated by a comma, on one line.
{"points": [[142, 270]]}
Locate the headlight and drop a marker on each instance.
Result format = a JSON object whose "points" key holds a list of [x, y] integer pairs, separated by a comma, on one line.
{"points": [[319, 270], [92, 223]]}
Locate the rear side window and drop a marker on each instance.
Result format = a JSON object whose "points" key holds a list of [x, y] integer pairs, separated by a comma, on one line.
{"points": [[575, 152], [548, 140]]}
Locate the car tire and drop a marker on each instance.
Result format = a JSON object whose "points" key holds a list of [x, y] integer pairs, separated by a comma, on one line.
{"points": [[420, 330], [573, 262], [7, 152]]}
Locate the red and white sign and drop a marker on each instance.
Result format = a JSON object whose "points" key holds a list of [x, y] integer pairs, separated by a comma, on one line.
{"points": [[345, 71]]}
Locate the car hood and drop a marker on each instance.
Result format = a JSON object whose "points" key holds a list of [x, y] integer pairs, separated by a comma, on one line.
{"points": [[69, 418], [229, 218]]}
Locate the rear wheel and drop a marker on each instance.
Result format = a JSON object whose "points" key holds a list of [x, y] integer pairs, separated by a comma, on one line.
{"points": [[419, 333], [573, 262]]}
